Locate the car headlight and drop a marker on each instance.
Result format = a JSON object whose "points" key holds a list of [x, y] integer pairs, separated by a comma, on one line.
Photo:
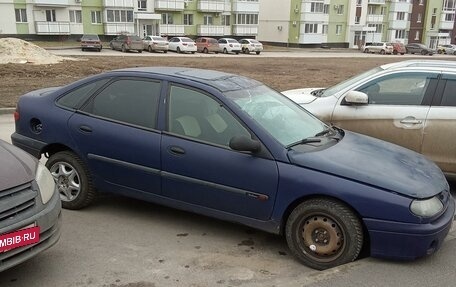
{"points": [[426, 208], [45, 182]]}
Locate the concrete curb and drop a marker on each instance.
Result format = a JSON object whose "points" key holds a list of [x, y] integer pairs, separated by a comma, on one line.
{"points": [[4, 111]]}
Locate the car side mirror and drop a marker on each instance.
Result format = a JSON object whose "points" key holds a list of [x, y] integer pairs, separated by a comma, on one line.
{"points": [[356, 98], [243, 143]]}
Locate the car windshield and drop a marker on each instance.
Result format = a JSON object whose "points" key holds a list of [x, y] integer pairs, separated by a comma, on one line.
{"points": [[187, 40], [90, 37], [284, 120], [341, 86]]}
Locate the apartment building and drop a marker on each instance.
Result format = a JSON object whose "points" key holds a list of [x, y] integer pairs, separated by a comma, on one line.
{"points": [[349, 23], [141, 17]]}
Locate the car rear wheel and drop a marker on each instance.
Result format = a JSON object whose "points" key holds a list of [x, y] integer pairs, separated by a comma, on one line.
{"points": [[423, 52], [205, 51], [139, 51], [124, 50], [72, 179], [366, 50], [225, 51], [150, 49], [178, 50], [324, 233], [382, 52], [257, 53]]}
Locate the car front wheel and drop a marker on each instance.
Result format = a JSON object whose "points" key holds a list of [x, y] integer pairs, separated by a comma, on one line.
{"points": [[323, 233], [72, 179]]}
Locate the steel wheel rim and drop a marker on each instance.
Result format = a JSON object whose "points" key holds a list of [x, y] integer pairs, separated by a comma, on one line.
{"points": [[67, 180], [322, 238]]}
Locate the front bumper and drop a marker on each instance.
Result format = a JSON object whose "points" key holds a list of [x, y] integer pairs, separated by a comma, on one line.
{"points": [[405, 241], [32, 146], [49, 220]]}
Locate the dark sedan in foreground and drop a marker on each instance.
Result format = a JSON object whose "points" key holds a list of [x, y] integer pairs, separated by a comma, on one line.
{"points": [[230, 147], [29, 207]]}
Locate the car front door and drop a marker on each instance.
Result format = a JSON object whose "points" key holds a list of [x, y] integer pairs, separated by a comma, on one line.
{"points": [[440, 127], [397, 108], [199, 167], [116, 134]]}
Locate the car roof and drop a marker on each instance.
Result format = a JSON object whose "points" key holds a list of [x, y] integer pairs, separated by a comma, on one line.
{"points": [[220, 80], [429, 64]]}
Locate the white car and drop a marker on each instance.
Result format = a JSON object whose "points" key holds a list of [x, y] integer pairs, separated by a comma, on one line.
{"points": [[182, 45], [229, 45], [155, 43], [378, 47], [409, 103], [251, 45]]}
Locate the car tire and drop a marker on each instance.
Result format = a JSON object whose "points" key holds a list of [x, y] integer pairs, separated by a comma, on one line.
{"points": [[327, 225], [440, 51], [82, 49], [178, 50], [402, 53], [423, 52], [395, 52], [139, 51], [205, 51], [366, 51], [73, 180], [454, 53], [237, 53], [165, 51], [99, 50], [257, 53], [193, 52], [111, 46], [150, 49], [124, 50], [225, 51], [382, 52]]}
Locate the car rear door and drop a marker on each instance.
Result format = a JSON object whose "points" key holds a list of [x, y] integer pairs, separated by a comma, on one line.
{"points": [[397, 108], [116, 133], [440, 127], [199, 167]]}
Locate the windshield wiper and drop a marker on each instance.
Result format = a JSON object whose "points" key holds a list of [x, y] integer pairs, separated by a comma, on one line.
{"points": [[323, 132], [304, 141]]}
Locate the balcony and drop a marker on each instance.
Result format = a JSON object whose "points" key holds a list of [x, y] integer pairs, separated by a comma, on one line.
{"points": [[119, 3], [378, 2], [119, 28], [375, 18], [399, 25], [147, 16], [401, 7], [212, 6], [52, 28], [312, 38], [52, 3], [172, 30], [245, 30], [170, 5], [446, 25], [212, 30], [315, 17], [245, 7]]}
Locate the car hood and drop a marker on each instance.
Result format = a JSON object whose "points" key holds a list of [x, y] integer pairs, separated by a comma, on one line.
{"points": [[301, 96], [17, 167], [378, 163]]}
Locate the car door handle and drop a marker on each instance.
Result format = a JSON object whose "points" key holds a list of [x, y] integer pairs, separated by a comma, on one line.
{"points": [[85, 129], [411, 122], [176, 150]]}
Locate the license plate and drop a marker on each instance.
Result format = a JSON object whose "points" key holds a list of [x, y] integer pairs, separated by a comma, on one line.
{"points": [[19, 238]]}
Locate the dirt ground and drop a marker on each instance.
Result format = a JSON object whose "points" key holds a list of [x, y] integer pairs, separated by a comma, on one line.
{"points": [[279, 73]]}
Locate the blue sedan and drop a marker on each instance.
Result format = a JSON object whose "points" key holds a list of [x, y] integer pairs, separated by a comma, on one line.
{"points": [[230, 147]]}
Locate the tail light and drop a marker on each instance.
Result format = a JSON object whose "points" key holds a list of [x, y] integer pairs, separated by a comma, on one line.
{"points": [[184, 44], [16, 114], [253, 45]]}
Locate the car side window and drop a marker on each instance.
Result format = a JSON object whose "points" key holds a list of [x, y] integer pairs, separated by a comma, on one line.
{"points": [[449, 98], [131, 101], [78, 96], [197, 115], [397, 89]]}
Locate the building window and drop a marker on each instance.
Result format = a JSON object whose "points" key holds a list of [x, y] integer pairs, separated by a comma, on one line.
{"points": [[324, 29], [311, 28], [188, 19], [449, 17], [401, 34], [50, 15], [357, 19], [167, 18], [378, 27], [421, 2], [119, 16], [21, 15], [340, 9], [418, 19], [316, 7], [359, 2], [142, 5], [75, 16], [449, 5], [326, 9], [251, 19], [96, 17], [417, 35], [208, 20], [400, 16], [383, 11], [338, 29], [226, 20]]}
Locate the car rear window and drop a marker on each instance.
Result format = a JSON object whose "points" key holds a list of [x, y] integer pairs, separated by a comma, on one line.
{"points": [[135, 38], [232, 41], [158, 39], [90, 37], [186, 40]]}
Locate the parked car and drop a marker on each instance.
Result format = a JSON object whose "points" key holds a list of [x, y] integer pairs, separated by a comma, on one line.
{"points": [[155, 43], [126, 43], [251, 45], [91, 42], [228, 146], [409, 103], [30, 207], [207, 45], [441, 49], [378, 47], [398, 48], [229, 45], [182, 45], [450, 50], [418, 48]]}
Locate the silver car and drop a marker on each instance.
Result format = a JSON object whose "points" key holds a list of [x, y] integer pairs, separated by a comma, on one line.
{"points": [[30, 207], [410, 103], [155, 43]]}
